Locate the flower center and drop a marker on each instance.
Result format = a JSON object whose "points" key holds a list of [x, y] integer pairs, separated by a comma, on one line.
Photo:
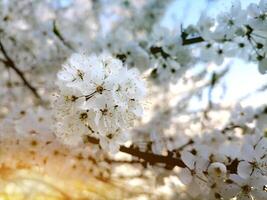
{"points": [[246, 189], [99, 89]]}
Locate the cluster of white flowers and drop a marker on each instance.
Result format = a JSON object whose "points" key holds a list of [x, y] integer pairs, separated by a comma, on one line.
{"points": [[169, 59], [122, 46], [229, 163], [98, 97], [234, 33], [232, 171], [161, 53]]}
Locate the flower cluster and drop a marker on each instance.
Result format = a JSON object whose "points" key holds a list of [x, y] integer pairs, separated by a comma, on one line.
{"points": [[226, 163], [98, 97], [169, 59], [234, 33], [232, 171]]}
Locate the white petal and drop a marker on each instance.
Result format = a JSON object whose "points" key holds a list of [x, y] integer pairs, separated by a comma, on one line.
{"points": [[188, 158], [248, 152], [185, 176], [244, 169], [229, 191], [238, 179]]}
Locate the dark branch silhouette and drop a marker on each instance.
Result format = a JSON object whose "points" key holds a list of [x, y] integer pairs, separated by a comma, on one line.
{"points": [[148, 157], [10, 63], [192, 41], [169, 161]]}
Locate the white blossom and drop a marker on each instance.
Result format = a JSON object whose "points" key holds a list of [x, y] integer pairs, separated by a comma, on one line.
{"points": [[101, 98], [254, 160], [250, 188], [241, 115], [258, 15], [230, 22]]}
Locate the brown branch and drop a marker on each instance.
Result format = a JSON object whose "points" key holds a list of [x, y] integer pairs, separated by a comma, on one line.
{"points": [[192, 41], [10, 63], [148, 157]]}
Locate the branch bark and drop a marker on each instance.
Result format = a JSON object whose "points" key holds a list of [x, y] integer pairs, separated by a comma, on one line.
{"points": [[192, 41], [170, 162]]}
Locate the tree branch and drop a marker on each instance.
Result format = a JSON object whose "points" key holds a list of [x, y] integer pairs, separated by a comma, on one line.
{"points": [[148, 157], [170, 162], [10, 63], [192, 40]]}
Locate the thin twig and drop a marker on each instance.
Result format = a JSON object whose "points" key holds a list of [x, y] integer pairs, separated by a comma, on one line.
{"points": [[60, 37], [10, 63]]}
